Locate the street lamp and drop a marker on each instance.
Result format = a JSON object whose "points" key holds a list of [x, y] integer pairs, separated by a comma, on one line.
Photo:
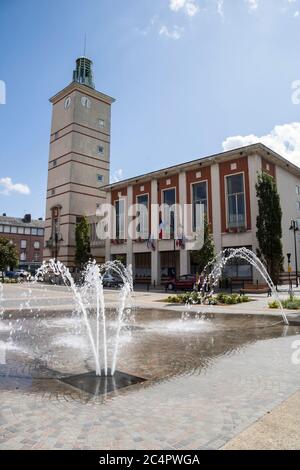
{"points": [[295, 229], [289, 269], [56, 245]]}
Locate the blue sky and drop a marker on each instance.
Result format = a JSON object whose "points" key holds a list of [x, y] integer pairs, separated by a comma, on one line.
{"points": [[191, 77]]}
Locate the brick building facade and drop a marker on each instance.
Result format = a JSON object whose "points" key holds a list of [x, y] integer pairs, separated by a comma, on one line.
{"points": [[28, 237]]}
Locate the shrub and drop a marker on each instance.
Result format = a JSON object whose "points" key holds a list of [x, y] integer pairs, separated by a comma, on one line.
{"points": [[292, 303], [232, 299], [174, 299], [221, 298], [274, 304], [195, 298]]}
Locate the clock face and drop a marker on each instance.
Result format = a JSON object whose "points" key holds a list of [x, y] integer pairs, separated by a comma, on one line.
{"points": [[67, 102], [86, 102]]}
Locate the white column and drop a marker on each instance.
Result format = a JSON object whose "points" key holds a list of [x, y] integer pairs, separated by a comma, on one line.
{"points": [[254, 167], [184, 254], [129, 249], [108, 240], [155, 255], [216, 207]]}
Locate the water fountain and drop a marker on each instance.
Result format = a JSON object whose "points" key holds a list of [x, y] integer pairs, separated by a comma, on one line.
{"points": [[107, 326], [89, 299], [214, 270]]}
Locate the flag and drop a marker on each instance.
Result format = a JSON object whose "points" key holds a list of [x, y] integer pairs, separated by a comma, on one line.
{"points": [[161, 227]]}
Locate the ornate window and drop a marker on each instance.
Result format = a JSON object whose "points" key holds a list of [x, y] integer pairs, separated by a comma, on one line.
{"points": [[120, 219], [236, 212], [169, 201], [199, 199], [143, 207]]}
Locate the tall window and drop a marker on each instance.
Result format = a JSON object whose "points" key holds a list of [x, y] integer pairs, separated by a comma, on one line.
{"points": [[169, 200], [236, 215], [199, 200], [120, 219], [143, 228]]}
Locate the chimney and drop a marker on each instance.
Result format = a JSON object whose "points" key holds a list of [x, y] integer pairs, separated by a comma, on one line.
{"points": [[4, 214]]}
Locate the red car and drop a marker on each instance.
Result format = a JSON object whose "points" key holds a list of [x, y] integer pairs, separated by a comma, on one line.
{"points": [[186, 282]]}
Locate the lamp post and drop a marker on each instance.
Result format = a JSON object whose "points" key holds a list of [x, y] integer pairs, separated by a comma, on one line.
{"points": [[174, 249], [56, 245], [295, 229], [289, 270]]}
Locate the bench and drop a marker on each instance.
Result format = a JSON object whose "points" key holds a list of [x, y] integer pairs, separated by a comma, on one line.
{"points": [[142, 280], [250, 288]]}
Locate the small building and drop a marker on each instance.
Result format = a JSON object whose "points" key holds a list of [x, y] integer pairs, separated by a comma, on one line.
{"points": [[225, 185], [28, 237]]}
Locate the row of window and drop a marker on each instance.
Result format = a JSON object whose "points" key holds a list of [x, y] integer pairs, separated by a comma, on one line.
{"points": [[236, 211], [22, 230], [23, 256], [36, 244]]}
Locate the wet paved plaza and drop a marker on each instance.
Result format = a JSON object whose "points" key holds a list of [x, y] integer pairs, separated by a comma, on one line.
{"points": [[207, 379]]}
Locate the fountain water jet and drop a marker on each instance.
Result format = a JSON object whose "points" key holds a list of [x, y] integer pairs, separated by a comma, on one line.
{"points": [[90, 298], [216, 267]]}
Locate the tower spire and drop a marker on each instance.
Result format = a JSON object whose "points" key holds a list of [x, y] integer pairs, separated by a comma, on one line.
{"points": [[84, 45], [84, 72]]}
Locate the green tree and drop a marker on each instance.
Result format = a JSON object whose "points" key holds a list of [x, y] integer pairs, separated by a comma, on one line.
{"points": [[269, 229], [82, 236], [207, 253], [8, 255]]}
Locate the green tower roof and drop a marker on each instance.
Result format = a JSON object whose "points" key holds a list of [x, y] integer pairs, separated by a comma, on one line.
{"points": [[84, 72]]}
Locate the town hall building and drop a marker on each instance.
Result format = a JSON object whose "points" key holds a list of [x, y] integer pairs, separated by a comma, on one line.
{"points": [[79, 184]]}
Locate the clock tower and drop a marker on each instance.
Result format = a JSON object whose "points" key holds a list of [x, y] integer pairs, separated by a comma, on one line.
{"points": [[79, 161]]}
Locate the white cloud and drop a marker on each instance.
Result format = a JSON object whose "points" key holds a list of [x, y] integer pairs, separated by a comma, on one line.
{"points": [[147, 29], [117, 176], [252, 4], [190, 7], [174, 33], [296, 14], [7, 187], [220, 8], [283, 139]]}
